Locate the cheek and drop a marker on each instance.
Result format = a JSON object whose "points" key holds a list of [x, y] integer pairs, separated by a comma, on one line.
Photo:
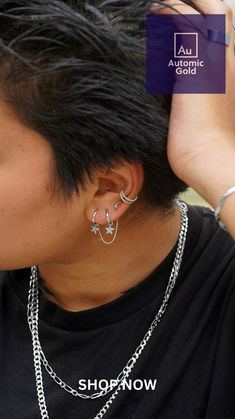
{"points": [[33, 228], [29, 219]]}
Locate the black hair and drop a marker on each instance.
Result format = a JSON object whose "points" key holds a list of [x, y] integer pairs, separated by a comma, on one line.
{"points": [[75, 73]]}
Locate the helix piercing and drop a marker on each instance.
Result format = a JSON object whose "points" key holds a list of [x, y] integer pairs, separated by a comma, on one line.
{"points": [[126, 200]]}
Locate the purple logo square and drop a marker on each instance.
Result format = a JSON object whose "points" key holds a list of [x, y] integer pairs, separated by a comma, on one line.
{"points": [[183, 55]]}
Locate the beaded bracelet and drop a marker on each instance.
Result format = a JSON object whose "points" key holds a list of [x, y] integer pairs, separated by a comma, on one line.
{"points": [[219, 206]]}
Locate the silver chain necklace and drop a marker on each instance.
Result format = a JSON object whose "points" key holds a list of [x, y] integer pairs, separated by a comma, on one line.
{"points": [[39, 356]]}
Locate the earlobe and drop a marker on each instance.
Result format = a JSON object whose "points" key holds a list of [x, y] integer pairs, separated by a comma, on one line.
{"points": [[110, 230]]}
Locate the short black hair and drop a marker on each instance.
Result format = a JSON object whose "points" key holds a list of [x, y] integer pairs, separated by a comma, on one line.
{"points": [[75, 73]]}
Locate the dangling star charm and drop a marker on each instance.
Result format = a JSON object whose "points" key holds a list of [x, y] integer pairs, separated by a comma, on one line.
{"points": [[109, 230], [94, 228]]}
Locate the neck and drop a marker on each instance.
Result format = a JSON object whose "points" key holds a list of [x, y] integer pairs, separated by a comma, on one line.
{"points": [[103, 272]]}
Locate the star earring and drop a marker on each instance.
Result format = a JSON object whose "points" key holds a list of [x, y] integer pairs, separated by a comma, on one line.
{"points": [[109, 229], [95, 226]]}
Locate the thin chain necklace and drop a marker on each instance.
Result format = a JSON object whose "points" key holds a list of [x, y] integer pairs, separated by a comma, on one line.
{"points": [[39, 356]]}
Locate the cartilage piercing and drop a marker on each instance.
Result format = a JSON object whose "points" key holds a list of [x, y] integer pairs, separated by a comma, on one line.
{"points": [[126, 200]]}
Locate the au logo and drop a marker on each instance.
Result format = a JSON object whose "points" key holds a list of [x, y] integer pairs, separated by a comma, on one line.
{"points": [[185, 45]]}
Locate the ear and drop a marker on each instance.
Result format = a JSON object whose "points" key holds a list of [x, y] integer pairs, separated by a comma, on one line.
{"points": [[106, 191]]}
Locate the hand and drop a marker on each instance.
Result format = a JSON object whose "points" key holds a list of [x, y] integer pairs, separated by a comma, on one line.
{"points": [[202, 126]]}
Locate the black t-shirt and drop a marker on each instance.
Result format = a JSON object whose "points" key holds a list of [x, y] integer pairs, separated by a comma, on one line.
{"points": [[191, 354]]}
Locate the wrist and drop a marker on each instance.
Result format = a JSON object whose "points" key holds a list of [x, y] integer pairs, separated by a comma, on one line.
{"points": [[213, 173]]}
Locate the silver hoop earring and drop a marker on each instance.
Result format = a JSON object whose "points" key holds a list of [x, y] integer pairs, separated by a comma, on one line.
{"points": [[95, 226], [109, 229], [116, 205], [126, 200]]}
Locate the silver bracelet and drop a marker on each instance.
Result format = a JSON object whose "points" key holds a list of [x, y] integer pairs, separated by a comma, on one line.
{"points": [[220, 204]]}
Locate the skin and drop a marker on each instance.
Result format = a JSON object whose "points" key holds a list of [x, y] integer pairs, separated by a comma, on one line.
{"points": [[201, 138], [78, 271]]}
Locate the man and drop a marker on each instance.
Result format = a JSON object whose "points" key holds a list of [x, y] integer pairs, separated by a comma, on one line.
{"points": [[83, 147]]}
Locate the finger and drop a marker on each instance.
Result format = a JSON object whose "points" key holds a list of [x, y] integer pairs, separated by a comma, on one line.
{"points": [[211, 7], [172, 7]]}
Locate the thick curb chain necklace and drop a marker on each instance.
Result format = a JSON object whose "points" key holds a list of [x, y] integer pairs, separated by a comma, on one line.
{"points": [[39, 356]]}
